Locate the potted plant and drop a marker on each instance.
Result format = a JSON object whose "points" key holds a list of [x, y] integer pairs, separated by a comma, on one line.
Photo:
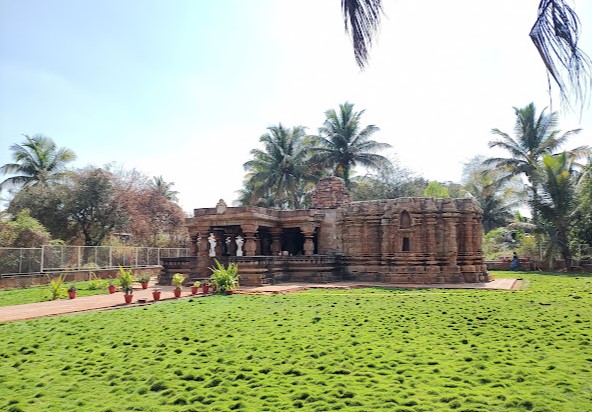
{"points": [[224, 279], [72, 291], [144, 278], [112, 288], [128, 294], [195, 287], [126, 278], [178, 279], [56, 286], [156, 294]]}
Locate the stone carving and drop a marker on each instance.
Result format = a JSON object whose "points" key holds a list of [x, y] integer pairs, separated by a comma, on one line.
{"points": [[406, 240], [212, 242], [239, 245]]}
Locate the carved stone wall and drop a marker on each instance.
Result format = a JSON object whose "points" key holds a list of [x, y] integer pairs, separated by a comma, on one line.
{"points": [[419, 240], [406, 240]]}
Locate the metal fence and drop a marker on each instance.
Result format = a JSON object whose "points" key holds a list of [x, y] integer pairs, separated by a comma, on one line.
{"points": [[50, 258]]}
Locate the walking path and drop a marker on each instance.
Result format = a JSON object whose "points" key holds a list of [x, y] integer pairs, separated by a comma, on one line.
{"points": [[144, 296]]}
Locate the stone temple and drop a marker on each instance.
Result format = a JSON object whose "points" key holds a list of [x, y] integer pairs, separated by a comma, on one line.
{"points": [[405, 240]]}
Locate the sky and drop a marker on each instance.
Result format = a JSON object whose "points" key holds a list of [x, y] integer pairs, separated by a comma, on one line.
{"points": [[183, 89]]}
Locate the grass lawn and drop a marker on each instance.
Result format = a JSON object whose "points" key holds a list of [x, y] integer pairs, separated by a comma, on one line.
{"points": [[357, 350], [34, 294]]}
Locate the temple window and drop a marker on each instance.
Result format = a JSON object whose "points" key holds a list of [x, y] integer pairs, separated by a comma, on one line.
{"points": [[405, 220], [406, 245]]}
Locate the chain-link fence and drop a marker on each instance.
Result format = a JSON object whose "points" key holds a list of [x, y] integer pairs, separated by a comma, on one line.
{"points": [[51, 258]]}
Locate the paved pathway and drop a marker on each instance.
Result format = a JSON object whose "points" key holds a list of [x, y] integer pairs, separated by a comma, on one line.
{"points": [[144, 296]]}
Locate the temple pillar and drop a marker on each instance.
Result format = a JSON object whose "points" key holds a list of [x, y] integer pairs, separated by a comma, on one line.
{"points": [[308, 233], [194, 248], [276, 241], [250, 244]]}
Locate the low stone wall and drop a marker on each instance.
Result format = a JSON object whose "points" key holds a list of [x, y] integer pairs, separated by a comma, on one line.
{"points": [[39, 279]]}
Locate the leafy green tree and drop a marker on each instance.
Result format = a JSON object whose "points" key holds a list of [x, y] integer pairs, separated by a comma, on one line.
{"points": [[280, 172], [535, 137], [342, 144], [388, 183], [23, 231], [36, 161], [435, 189], [558, 201], [91, 202]]}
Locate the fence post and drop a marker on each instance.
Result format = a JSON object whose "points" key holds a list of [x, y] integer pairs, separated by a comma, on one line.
{"points": [[110, 256], [79, 258], [42, 258]]}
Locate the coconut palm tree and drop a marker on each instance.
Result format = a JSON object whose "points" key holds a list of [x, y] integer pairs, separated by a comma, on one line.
{"points": [[342, 143], [535, 136], [558, 201], [555, 35], [164, 188], [280, 171], [496, 196], [36, 161]]}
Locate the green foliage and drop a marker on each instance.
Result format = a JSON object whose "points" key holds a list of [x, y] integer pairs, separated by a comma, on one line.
{"points": [[178, 279], [72, 288], [56, 287], [37, 161], [23, 231], [224, 278], [144, 277], [342, 144], [279, 175], [361, 350], [125, 278], [435, 189]]}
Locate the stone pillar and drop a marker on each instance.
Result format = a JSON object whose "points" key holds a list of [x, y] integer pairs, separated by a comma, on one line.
{"points": [[276, 241], [194, 248], [250, 244], [308, 233]]}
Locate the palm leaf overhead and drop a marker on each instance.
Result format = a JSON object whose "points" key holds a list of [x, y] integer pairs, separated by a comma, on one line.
{"points": [[362, 20], [555, 35]]}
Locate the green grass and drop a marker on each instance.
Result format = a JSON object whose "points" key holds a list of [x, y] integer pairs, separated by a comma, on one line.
{"points": [[34, 294], [358, 350]]}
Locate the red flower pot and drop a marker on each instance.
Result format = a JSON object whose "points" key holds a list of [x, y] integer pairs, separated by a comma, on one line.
{"points": [[144, 285], [205, 288], [194, 290], [156, 295], [230, 292], [128, 298], [72, 294], [112, 289], [177, 292]]}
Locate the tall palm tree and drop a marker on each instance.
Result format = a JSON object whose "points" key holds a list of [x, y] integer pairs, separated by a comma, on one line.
{"points": [[36, 161], [535, 136], [555, 35], [280, 171], [496, 197], [342, 143], [558, 201], [164, 188]]}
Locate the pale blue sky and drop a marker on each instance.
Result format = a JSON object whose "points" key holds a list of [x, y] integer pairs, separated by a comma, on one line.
{"points": [[184, 89]]}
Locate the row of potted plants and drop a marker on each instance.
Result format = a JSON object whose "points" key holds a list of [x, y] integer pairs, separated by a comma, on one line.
{"points": [[222, 280]]}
